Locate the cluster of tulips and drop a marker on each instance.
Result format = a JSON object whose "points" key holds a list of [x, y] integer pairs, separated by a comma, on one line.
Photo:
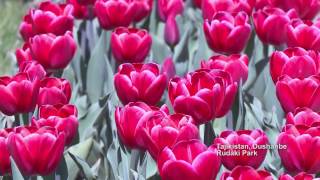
{"points": [[38, 94]]}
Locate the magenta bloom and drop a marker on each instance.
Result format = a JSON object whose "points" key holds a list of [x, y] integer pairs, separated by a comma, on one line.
{"points": [[246, 172]]}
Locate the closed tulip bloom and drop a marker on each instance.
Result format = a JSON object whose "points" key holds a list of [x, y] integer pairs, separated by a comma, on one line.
{"points": [[246, 172], [143, 9], [33, 69], [54, 91], [168, 8], [62, 117], [203, 94], [189, 160], [168, 68], [81, 11], [300, 176], [227, 33], [307, 9], [236, 65], [140, 82], [159, 130], [301, 142], [293, 93], [304, 34], [5, 165], [53, 52], [211, 7], [250, 139], [303, 116], [18, 94], [271, 23], [130, 44], [128, 117], [114, 13], [36, 151], [47, 18], [294, 62], [171, 32]]}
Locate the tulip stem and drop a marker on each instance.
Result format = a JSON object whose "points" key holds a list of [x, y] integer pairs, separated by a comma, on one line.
{"points": [[266, 51], [16, 120], [209, 134], [134, 161], [25, 118]]}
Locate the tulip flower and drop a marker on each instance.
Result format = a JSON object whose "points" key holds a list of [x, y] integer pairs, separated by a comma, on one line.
{"points": [[167, 8], [171, 32], [250, 140], [53, 52], [130, 44], [23, 54], [227, 33], [116, 13], [271, 23], [203, 94], [159, 130], [5, 165], [307, 9], [246, 172], [197, 3], [168, 68], [302, 149], [61, 117], [140, 82], [36, 151], [19, 94], [189, 160], [260, 4], [236, 65], [304, 34], [293, 93], [294, 62], [81, 11], [127, 119], [303, 116], [33, 69], [211, 7], [300, 176], [54, 91], [48, 18]]}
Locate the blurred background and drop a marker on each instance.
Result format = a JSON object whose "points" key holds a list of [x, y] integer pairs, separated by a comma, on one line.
{"points": [[11, 14]]}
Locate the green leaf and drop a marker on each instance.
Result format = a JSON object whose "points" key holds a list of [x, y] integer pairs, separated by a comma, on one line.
{"points": [[83, 166], [16, 174], [62, 170]]}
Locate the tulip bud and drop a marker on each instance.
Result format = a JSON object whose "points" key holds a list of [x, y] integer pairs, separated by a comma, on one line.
{"points": [[23, 54], [203, 94], [48, 18], [305, 34], [271, 23], [19, 94], [140, 82], [159, 131], [62, 117], [300, 141], [168, 68], [303, 116], [227, 33], [250, 155], [130, 44], [211, 7], [189, 160], [300, 176], [36, 151], [246, 172], [307, 9], [128, 117], [293, 93], [33, 69], [5, 165], [294, 62], [167, 8], [53, 52], [236, 65], [54, 91], [171, 32]]}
